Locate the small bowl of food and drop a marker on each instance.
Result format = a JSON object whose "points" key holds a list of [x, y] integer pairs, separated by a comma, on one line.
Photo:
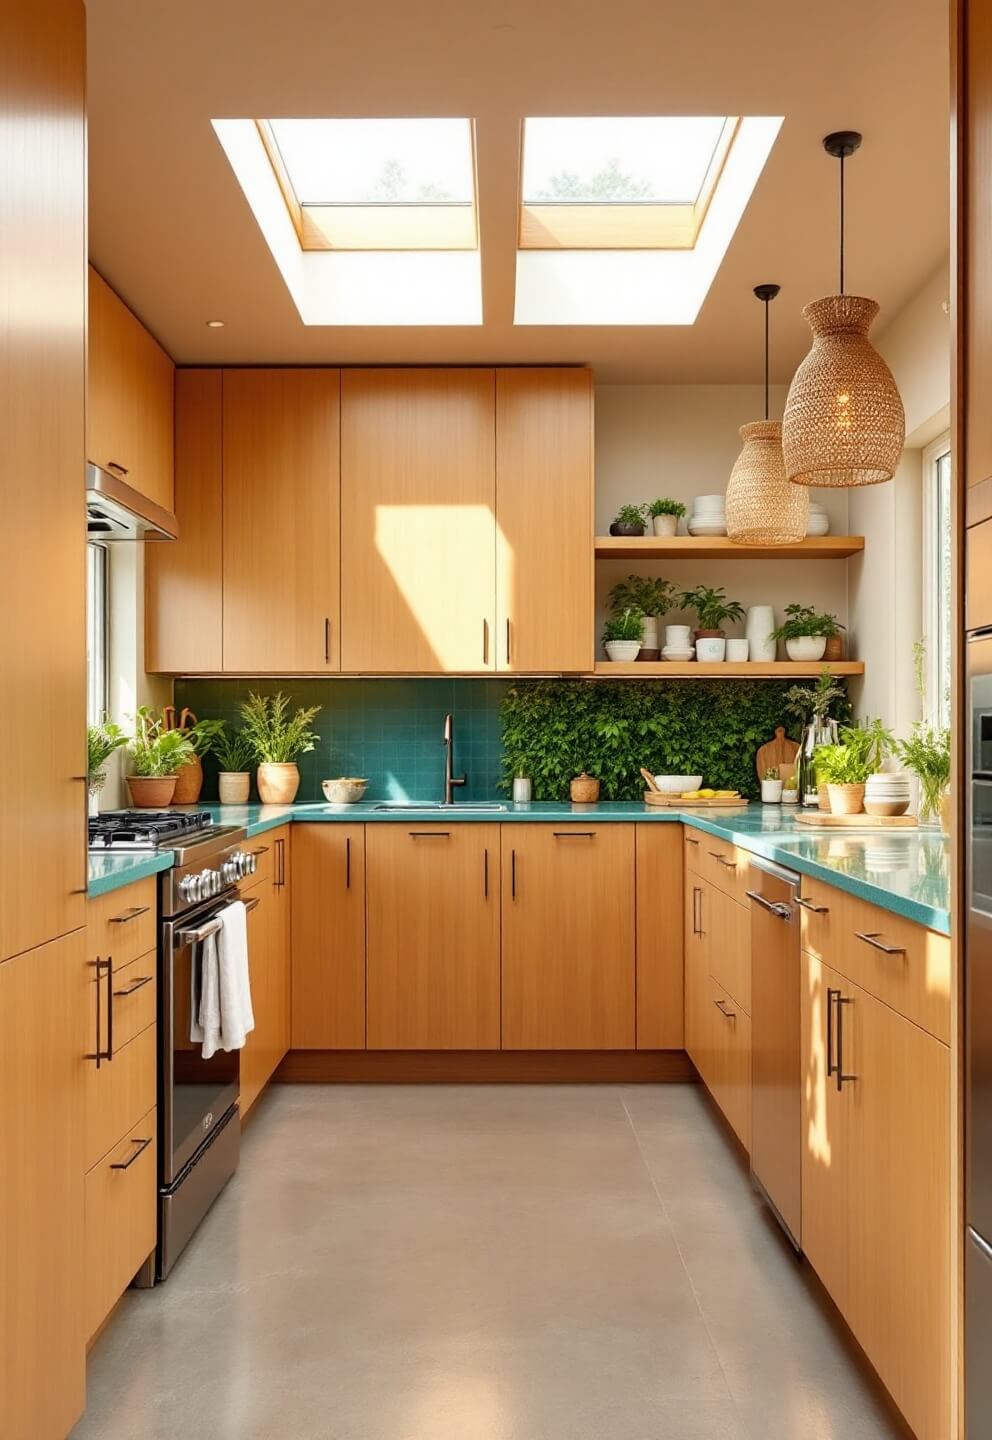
{"points": [[677, 784], [344, 791]]}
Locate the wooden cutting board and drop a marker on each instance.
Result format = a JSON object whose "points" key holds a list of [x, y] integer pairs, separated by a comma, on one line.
{"points": [[675, 802], [780, 751], [823, 820]]}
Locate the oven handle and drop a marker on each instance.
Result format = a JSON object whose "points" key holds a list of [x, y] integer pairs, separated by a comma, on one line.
{"points": [[195, 937]]}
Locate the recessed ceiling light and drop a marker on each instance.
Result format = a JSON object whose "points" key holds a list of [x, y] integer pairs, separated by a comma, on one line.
{"points": [[215, 324]]}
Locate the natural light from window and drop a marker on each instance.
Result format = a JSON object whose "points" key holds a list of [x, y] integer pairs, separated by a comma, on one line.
{"points": [[609, 160]]}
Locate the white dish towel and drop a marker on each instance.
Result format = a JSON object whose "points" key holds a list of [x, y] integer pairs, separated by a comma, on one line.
{"points": [[221, 1016]]}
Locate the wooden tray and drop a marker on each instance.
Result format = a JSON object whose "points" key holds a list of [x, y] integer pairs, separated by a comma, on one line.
{"points": [[652, 797], [822, 819]]}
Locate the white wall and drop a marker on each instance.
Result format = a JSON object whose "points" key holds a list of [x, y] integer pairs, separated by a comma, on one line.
{"points": [[129, 685], [680, 441]]}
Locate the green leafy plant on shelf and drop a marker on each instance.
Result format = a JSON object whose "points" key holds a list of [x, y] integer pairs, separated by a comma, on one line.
{"points": [[233, 751], [803, 620], [630, 516], [156, 752], [881, 742], [275, 736], [710, 606], [640, 593], [203, 735], [101, 742], [849, 762], [666, 507], [815, 704], [927, 752], [625, 626]]}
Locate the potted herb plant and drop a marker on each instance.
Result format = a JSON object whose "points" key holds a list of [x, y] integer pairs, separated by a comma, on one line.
{"points": [[276, 739], [189, 779], [157, 755], [805, 632], [629, 521], [712, 609], [812, 705], [652, 598], [927, 753], [622, 635], [234, 754], [101, 742], [665, 516], [790, 789], [844, 768], [771, 786]]}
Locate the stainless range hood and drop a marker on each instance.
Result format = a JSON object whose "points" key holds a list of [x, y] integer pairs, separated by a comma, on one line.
{"points": [[115, 511]]}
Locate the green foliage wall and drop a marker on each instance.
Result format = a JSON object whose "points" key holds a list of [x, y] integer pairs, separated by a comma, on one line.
{"points": [[554, 729]]}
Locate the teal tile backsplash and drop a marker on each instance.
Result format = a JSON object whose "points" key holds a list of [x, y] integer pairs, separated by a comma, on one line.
{"points": [[387, 730]]}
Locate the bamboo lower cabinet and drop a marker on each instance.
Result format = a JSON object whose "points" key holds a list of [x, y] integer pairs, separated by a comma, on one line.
{"points": [[328, 907], [269, 968], [568, 901], [875, 1185], [433, 936]]}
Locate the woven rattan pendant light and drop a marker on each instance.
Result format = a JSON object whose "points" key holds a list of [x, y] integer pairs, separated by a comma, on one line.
{"points": [[844, 422], [762, 507]]}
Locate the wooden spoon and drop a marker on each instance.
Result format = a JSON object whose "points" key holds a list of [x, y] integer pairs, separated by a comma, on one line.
{"points": [[650, 780]]}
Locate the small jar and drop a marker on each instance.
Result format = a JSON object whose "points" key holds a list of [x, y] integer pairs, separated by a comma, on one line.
{"points": [[522, 789]]}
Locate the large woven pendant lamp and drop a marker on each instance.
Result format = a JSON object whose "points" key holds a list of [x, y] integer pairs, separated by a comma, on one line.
{"points": [[762, 507], [844, 421]]}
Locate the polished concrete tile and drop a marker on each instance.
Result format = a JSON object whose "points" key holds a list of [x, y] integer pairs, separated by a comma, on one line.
{"points": [[482, 1263]]}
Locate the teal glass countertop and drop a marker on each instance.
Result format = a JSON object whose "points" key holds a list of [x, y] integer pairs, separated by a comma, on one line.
{"points": [[904, 871]]}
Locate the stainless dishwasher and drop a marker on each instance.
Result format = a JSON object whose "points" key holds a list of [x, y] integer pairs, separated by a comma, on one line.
{"points": [[776, 1096]]}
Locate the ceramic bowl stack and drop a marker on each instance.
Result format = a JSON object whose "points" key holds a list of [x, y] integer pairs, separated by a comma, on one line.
{"points": [[676, 652], [709, 515], [819, 522], [678, 643], [887, 794]]}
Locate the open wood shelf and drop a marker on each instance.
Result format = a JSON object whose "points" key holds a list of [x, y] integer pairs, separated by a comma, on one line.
{"points": [[722, 669], [718, 547]]}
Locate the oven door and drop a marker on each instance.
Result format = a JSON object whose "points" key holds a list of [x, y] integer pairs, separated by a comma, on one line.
{"points": [[196, 1094]]}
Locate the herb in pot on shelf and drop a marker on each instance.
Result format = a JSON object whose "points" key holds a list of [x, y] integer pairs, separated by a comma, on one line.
{"points": [[665, 516], [189, 778], [157, 755], [276, 739], [629, 520], [805, 632], [712, 609], [844, 768], [234, 755], [622, 635], [101, 742], [771, 786], [653, 598]]}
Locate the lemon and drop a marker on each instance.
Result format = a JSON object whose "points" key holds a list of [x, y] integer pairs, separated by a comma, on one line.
{"points": [[706, 794]]}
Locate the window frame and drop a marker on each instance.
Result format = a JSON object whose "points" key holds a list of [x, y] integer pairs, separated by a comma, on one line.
{"points": [[97, 631], [935, 522]]}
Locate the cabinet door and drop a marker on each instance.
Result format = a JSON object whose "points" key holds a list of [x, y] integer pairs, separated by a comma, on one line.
{"points": [[568, 937], [129, 400], [698, 1019], [433, 937], [280, 940], [660, 1003], [417, 513], [328, 902], [183, 579], [42, 1345], [730, 945], [281, 520], [258, 1057], [545, 610], [729, 1079]]}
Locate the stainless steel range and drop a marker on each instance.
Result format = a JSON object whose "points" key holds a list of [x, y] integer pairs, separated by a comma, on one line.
{"points": [[198, 1126]]}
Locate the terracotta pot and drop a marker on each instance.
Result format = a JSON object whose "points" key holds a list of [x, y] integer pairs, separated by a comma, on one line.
{"points": [[277, 784], [233, 786], [189, 782], [151, 792], [584, 790], [835, 648], [846, 799], [822, 798]]}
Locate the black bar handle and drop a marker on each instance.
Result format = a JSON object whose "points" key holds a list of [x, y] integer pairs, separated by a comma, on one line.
{"points": [[128, 915], [873, 938], [136, 985], [808, 904], [831, 995], [429, 834], [508, 640], [513, 874], [485, 641], [347, 862], [485, 873], [327, 640], [730, 864], [574, 834], [126, 1164], [777, 908], [110, 1008], [97, 1054], [690, 841], [842, 1000], [722, 1007]]}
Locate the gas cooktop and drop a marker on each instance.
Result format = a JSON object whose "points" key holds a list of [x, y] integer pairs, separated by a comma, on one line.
{"points": [[148, 829]]}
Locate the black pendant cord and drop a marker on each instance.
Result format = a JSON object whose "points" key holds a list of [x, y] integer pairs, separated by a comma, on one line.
{"points": [[842, 144], [766, 294], [842, 224], [766, 359]]}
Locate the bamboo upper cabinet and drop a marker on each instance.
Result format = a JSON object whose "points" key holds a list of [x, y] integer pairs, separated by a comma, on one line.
{"points": [[281, 535], [418, 500], [545, 609], [129, 397], [568, 937]]}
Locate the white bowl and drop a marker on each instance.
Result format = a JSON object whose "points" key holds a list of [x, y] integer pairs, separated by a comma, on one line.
{"points": [[677, 655], [676, 784], [346, 791], [695, 527]]}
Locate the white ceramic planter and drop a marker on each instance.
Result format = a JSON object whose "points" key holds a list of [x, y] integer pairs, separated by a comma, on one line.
{"points": [[678, 637], [649, 633], [711, 647], [758, 629], [233, 786], [737, 650], [665, 524], [522, 789], [806, 647], [771, 792], [790, 797], [623, 649]]}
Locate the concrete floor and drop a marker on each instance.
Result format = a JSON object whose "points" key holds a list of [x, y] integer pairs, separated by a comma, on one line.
{"points": [[497, 1263]]}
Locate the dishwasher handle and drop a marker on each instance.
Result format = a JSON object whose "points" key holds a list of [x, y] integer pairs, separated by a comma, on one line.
{"points": [[780, 910]]}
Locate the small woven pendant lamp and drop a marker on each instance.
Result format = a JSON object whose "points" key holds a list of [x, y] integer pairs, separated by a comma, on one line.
{"points": [[844, 421], [762, 507]]}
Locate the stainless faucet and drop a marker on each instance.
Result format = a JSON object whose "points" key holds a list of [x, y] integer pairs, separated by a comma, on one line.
{"points": [[450, 781]]}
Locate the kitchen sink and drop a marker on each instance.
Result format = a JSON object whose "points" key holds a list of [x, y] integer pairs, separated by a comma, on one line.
{"points": [[466, 808]]}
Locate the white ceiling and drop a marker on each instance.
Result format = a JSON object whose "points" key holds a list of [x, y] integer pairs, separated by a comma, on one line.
{"points": [[171, 230]]}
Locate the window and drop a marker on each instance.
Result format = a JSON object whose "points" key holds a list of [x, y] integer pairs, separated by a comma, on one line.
{"points": [[937, 578], [97, 613]]}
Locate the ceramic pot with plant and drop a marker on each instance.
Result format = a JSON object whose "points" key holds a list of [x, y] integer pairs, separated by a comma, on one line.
{"points": [[652, 598], [712, 609], [665, 516], [101, 742], [927, 752], [234, 754], [622, 635], [844, 769], [200, 734], [629, 521], [790, 789], [276, 739], [805, 633], [771, 787], [157, 755]]}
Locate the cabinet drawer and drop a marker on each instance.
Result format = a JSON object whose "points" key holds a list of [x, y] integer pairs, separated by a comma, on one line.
{"points": [[120, 1224], [729, 1067], [119, 1093], [728, 927], [122, 924], [725, 866], [905, 965], [128, 995]]}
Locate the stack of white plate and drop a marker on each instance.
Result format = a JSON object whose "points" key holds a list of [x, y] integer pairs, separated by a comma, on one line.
{"points": [[819, 521], [671, 652], [709, 515], [887, 794]]}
